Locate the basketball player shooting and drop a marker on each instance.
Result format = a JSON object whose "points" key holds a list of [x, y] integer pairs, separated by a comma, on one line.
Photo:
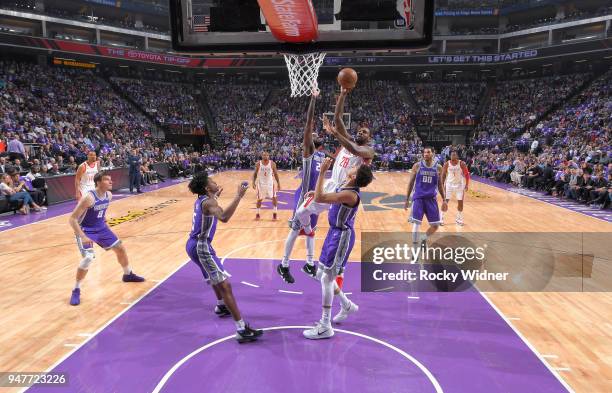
{"points": [[351, 154], [264, 184], [338, 243], [424, 178], [84, 178], [456, 179], [88, 221], [312, 157], [206, 212]]}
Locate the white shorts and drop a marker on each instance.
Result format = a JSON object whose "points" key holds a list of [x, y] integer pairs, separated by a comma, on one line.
{"points": [[266, 191], [312, 207], [456, 189], [85, 189]]}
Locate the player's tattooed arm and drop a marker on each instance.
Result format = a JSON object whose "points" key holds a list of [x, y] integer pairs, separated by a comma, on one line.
{"points": [[338, 121], [441, 188], [211, 206], [275, 172], [413, 172], [255, 174], [308, 129], [444, 172]]}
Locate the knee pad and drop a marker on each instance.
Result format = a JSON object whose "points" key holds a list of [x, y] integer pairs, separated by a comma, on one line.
{"points": [[87, 260]]}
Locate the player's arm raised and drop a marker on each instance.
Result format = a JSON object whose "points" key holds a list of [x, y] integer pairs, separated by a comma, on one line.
{"points": [[338, 120], [85, 203], [77, 181], [466, 174], [255, 174], [309, 127], [275, 173], [347, 197], [413, 172], [441, 189], [211, 206]]}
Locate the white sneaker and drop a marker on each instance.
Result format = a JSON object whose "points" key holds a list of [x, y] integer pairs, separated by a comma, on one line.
{"points": [[319, 331], [459, 220], [344, 313]]}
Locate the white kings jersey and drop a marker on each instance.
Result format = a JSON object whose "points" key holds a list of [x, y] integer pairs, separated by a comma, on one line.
{"points": [[454, 176], [87, 179], [264, 174], [345, 160]]}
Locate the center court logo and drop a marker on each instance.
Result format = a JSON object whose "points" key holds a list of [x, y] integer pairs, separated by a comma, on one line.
{"points": [[139, 214], [379, 201]]}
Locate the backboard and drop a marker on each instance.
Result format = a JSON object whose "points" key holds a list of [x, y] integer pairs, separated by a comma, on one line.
{"points": [[300, 26]]}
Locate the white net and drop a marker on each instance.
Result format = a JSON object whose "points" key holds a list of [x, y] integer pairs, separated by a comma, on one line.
{"points": [[303, 72]]}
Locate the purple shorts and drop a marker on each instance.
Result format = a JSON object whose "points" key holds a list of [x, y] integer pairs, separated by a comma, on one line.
{"points": [[103, 237], [337, 248], [202, 254], [427, 207]]}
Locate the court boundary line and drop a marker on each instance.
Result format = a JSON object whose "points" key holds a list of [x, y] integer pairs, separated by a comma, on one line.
{"points": [[61, 215], [529, 345], [99, 330], [543, 201], [432, 379]]}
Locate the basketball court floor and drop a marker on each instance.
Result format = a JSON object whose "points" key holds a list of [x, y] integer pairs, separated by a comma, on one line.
{"points": [[162, 336]]}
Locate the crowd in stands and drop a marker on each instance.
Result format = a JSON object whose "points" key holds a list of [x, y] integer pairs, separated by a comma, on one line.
{"points": [[515, 104], [570, 155], [450, 102], [50, 118], [169, 103]]}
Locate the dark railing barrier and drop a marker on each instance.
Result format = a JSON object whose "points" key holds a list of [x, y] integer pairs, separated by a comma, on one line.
{"points": [[61, 188]]}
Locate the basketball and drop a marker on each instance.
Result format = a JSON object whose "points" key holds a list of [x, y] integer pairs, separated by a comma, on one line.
{"points": [[347, 78]]}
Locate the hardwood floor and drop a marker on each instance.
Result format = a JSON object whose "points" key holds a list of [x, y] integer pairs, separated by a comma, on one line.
{"points": [[39, 262]]}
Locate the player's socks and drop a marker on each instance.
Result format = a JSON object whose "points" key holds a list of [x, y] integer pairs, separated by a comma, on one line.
{"points": [[257, 216], [459, 218], [222, 311], [75, 298], [77, 285], [441, 218], [274, 215], [220, 302], [326, 316], [240, 325], [344, 301], [289, 243], [310, 242], [127, 269]]}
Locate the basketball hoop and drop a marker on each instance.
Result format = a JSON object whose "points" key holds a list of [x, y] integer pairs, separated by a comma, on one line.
{"points": [[304, 72]]}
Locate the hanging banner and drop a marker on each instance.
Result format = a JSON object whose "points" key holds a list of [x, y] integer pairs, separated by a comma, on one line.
{"points": [[293, 21]]}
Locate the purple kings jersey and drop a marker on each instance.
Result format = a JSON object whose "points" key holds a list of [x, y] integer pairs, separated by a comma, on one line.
{"points": [[341, 216], [203, 227], [426, 183], [95, 216], [311, 167]]}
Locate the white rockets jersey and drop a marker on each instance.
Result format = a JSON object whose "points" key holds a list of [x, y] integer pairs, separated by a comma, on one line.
{"points": [[345, 160], [264, 175], [454, 174], [87, 180]]}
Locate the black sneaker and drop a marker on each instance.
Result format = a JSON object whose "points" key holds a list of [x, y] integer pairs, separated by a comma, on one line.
{"points": [[285, 274], [248, 334], [132, 278], [222, 311], [310, 270]]}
